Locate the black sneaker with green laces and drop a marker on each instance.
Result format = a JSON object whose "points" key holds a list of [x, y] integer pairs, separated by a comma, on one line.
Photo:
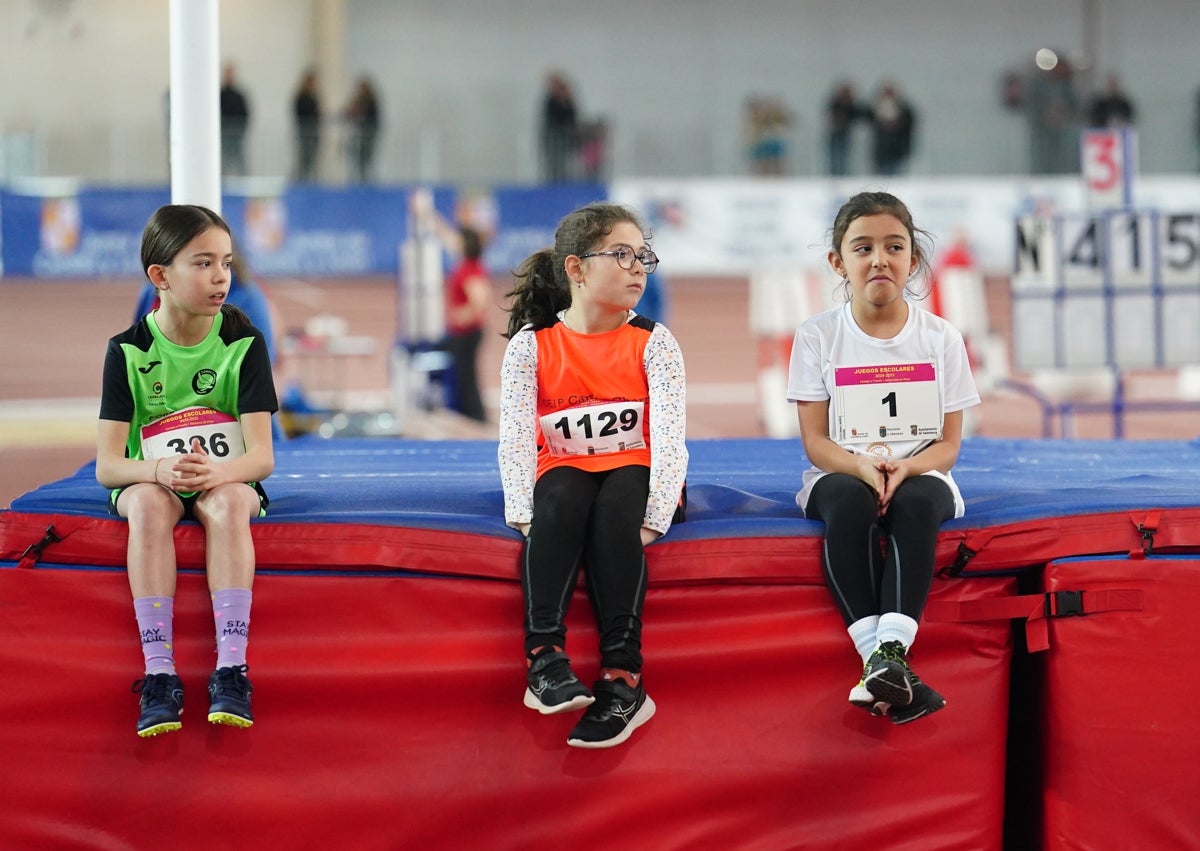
{"points": [[617, 712], [551, 685], [161, 704], [229, 692], [886, 675]]}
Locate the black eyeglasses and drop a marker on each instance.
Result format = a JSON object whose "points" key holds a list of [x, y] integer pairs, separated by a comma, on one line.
{"points": [[626, 255]]}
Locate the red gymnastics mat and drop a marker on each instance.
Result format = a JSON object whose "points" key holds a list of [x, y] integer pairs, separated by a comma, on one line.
{"points": [[389, 716], [386, 656], [1120, 746]]}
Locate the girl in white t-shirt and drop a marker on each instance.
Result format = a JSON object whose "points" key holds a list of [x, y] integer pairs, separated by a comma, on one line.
{"points": [[880, 386]]}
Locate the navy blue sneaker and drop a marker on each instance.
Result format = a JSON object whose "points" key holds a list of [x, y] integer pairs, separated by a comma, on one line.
{"points": [[552, 686], [886, 675], [229, 697], [617, 712], [161, 704]]}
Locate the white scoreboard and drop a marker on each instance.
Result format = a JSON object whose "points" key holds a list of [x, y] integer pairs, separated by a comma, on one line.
{"points": [[1117, 288]]}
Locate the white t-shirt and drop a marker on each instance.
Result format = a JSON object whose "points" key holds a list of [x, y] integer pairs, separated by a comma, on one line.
{"points": [[833, 339]]}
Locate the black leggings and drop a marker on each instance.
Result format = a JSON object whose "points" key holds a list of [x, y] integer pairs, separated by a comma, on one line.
{"points": [[595, 519], [874, 564]]}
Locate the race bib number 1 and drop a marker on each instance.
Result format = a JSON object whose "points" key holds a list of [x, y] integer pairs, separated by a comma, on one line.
{"points": [[193, 429], [594, 429], [889, 402]]}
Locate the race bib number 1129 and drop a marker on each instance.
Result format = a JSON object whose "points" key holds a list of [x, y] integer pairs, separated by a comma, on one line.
{"points": [[594, 429]]}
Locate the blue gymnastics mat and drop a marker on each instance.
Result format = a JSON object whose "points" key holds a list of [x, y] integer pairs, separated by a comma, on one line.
{"points": [[370, 502]]}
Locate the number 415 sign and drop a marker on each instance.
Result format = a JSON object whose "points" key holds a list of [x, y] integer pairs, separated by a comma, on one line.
{"points": [[889, 402]]}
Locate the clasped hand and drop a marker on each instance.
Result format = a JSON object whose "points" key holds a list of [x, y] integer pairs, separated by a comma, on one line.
{"points": [[884, 477], [193, 471]]}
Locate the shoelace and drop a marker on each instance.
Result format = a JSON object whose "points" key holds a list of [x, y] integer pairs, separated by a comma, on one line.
{"points": [[893, 651], [232, 681], [153, 689]]}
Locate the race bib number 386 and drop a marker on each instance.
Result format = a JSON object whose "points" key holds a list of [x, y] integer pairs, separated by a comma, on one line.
{"points": [[886, 403], [193, 429], [594, 429]]}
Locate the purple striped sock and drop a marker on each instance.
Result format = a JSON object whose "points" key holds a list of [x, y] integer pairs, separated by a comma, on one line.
{"points": [[231, 613]]}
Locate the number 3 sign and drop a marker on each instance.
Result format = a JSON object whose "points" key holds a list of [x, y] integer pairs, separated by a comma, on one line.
{"points": [[1109, 159]]}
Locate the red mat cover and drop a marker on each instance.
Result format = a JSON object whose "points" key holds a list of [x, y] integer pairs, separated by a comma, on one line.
{"points": [[1120, 744], [389, 716]]}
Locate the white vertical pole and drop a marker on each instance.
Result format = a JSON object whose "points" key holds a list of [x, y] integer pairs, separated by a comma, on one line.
{"points": [[329, 47], [195, 113]]}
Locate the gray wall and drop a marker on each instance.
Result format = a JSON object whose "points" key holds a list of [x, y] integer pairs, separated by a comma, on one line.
{"points": [[461, 79]]}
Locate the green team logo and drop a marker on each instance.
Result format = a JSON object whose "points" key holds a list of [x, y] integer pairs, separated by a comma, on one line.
{"points": [[158, 388], [204, 381]]}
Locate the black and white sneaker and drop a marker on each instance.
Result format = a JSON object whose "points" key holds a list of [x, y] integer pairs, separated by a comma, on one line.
{"points": [[861, 697], [552, 686], [161, 704], [229, 693], [617, 712], [886, 675], [925, 701]]}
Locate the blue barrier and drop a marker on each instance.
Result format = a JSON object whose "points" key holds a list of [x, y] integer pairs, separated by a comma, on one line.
{"points": [[292, 231]]}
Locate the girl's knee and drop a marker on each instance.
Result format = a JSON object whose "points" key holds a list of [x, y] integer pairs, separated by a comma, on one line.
{"points": [[147, 504], [233, 502]]}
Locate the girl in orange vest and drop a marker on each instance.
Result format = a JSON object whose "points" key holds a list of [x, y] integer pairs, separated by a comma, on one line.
{"points": [[592, 458]]}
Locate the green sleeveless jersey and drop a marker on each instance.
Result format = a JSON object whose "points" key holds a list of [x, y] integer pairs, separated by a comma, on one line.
{"points": [[146, 376]]}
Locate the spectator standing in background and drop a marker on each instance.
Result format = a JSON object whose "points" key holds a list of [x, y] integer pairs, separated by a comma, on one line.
{"points": [[362, 118], [468, 300], [1111, 108], [559, 130], [894, 123], [767, 121], [841, 111], [1053, 118], [235, 118], [306, 110], [593, 150]]}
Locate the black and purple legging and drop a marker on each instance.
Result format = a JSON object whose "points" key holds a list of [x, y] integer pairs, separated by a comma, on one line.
{"points": [[874, 564], [593, 519]]}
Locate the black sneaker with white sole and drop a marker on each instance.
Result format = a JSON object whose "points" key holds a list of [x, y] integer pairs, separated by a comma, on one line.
{"points": [[617, 712], [925, 701], [861, 697], [552, 687], [886, 675]]}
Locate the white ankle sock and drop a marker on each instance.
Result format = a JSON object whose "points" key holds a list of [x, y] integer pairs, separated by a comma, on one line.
{"points": [[863, 634], [894, 626]]}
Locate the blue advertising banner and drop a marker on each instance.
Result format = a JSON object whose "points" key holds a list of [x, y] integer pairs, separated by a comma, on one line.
{"points": [[317, 231], [92, 233], [527, 216], [290, 231]]}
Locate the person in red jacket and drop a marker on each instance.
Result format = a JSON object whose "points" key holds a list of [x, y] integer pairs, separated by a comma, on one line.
{"points": [[468, 299]]}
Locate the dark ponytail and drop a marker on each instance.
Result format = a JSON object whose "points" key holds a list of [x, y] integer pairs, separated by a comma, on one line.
{"points": [[538, 294]]}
